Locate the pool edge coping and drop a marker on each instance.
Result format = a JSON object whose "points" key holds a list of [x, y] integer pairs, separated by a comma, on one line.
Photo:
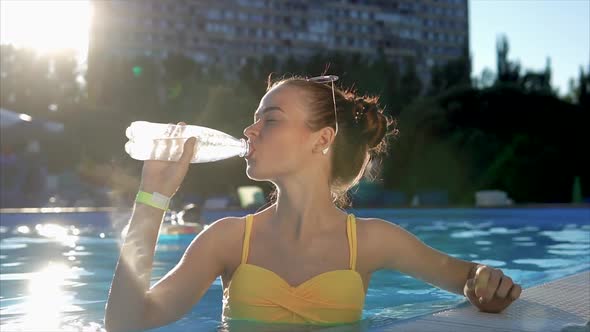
{"points": [[418, 323]]}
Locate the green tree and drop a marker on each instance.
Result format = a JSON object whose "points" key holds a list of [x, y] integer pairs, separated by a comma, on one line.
{"points": [[507, 71]]}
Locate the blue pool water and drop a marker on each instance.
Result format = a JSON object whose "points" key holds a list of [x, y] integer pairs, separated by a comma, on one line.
{"points": [[56, 269]]}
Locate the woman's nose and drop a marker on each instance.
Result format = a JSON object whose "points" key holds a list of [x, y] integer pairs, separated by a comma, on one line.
{"points": [[249, 131]]}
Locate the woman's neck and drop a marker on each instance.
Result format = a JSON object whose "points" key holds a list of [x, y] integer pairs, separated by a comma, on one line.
{"points": [[303, 209]]}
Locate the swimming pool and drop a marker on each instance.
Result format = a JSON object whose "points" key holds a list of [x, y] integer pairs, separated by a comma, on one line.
{"points": [[57, 277]]}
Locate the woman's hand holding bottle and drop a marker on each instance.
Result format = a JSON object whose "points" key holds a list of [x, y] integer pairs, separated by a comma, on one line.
{"points": [[165, 177]]}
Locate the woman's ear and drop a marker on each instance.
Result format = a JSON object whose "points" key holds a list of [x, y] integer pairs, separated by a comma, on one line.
{"points": [[324, 140]]}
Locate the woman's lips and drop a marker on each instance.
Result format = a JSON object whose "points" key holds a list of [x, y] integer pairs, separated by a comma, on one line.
{"points": [[250, 150]]}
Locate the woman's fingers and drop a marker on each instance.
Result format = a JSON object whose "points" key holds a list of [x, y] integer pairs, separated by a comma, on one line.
{"points": [[469, 290], [188, 150], [482, 277], [504, 287], [490, 283], [181, 128], [169, 129], [515, 292], [493, 284]]}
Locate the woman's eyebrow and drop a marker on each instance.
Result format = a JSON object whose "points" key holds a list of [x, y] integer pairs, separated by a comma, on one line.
{"points": [[267, 109]]}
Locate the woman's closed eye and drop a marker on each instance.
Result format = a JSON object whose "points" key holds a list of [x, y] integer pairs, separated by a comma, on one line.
{"points": [[271, 120]]}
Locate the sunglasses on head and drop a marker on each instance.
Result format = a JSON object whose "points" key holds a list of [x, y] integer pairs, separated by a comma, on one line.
{"points": [[325, 79]]}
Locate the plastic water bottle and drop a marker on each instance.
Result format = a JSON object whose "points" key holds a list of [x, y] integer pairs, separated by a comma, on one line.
{"points": [[161, 141]]}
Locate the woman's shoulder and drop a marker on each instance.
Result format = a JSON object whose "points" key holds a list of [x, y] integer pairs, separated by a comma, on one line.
{"points": [[227, 225], [375, 235], [374, 224], [224, 231], [224, 236], [374, 230]]}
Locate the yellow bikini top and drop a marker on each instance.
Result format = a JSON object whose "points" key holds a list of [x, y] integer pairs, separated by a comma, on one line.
{"points": [[258, 294]]}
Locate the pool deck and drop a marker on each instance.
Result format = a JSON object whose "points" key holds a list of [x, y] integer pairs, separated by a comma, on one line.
{"points": [[547, 307]]}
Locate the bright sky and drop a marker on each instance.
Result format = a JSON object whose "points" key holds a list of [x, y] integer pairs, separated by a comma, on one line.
{"points": [[536, 29], [46, 25]]}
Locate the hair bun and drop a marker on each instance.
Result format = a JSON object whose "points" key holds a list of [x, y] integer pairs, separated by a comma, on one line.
{"points": [[369, 117]]}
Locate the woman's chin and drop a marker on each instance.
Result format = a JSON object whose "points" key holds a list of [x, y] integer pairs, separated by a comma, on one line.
{"points": [[252, 172], [255, 173]]}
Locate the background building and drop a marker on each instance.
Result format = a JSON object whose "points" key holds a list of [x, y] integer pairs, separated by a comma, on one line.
{"points": [[229, 31]]}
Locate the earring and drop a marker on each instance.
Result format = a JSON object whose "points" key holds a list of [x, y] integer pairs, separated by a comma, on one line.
{"points": [[325, 151]]}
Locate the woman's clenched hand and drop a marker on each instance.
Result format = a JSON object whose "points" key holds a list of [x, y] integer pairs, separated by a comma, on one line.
{"points": [[490, 290]]}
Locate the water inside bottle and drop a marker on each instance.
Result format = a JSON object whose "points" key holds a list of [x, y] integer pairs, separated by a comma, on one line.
{"points": [[156, 141], [207, 149]]}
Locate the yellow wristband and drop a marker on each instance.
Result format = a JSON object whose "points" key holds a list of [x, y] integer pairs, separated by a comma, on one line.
{"points": [[155, 199]]}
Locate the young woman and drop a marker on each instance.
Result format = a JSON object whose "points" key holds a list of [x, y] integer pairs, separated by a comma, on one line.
{"points": [[302, 259]]}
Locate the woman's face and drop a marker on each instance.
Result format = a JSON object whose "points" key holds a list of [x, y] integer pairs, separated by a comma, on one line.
{"points": [[280, 142]]}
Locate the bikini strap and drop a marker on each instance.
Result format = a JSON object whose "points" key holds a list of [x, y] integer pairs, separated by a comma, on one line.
{"points": [[246, 245], [352, 245]]}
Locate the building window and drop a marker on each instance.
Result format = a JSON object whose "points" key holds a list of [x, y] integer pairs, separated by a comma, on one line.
{"points": [[256, 18], [213, 14]]}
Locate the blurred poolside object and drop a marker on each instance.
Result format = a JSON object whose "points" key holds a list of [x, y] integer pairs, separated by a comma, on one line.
{"points": [[173, 225], [24, 160], [251, 196], [488, 198], [69, 189], [190, 213], [23, 175], [187, 221], [217, 203], [10, 119]]}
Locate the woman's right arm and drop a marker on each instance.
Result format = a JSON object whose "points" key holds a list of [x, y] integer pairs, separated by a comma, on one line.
{"points": [[132, 305]]}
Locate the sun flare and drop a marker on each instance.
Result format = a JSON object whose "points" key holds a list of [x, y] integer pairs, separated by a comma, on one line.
{"points": [[46, 25]]}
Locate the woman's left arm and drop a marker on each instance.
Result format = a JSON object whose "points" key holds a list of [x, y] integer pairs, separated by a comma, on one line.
{"points": [[394, 248]]}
